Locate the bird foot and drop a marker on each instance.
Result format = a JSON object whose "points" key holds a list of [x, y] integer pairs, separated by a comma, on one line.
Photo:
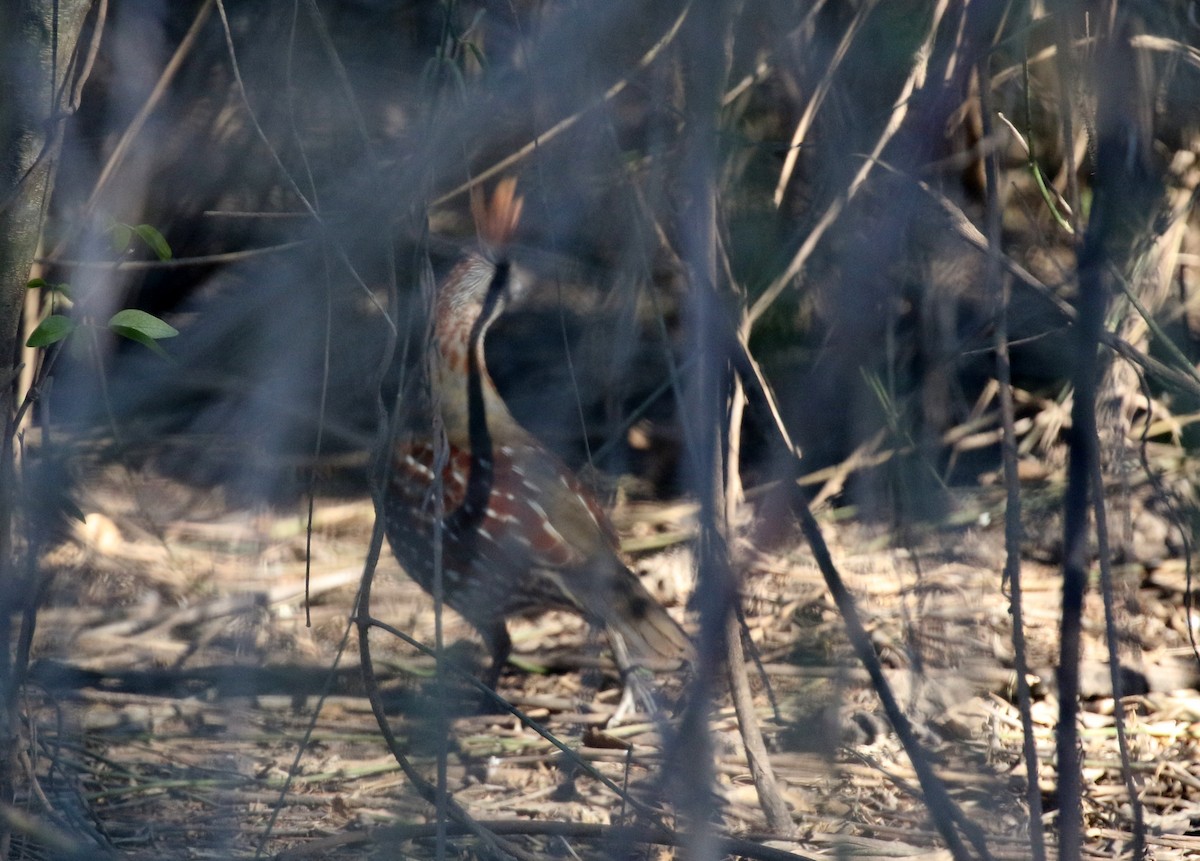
{"points": [[635, 692]]}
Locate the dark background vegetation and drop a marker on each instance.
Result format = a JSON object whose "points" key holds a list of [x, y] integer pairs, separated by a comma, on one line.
{"points": [[869, 197]]}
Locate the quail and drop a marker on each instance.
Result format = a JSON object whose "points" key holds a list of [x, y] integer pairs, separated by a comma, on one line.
{"points": [[520, 532]]}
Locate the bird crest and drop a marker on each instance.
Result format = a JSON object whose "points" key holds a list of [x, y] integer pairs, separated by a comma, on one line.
{"points": [[496, 219]]}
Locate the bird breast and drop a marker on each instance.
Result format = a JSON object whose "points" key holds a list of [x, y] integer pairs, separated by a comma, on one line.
{"points": [[537, 512]]}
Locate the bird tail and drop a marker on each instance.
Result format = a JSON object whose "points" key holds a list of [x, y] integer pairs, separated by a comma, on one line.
{"points": [[648, 632], [496, 218]]}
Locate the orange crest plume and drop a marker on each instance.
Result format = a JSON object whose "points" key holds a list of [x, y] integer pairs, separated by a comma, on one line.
{"points": [[496, 220]]}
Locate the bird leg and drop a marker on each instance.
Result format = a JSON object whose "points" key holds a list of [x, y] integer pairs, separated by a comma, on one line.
{"points": [[633, 682], [499, 646]]}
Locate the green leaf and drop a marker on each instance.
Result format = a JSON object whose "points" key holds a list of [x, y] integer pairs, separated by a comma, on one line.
{"points": [[149, 343], [43, 284], [146, 325], [50, 331], [122, 235], [156, 241], [144, 328]]}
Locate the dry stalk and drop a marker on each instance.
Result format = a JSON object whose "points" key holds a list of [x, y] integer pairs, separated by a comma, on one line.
{"points": [[1012, 487]]}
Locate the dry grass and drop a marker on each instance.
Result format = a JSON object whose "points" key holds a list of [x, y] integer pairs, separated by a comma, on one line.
{"points": [[189, 683], [843, 174]]}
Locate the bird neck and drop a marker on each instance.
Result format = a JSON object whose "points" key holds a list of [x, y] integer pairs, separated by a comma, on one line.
{"points": [[459, 328]]}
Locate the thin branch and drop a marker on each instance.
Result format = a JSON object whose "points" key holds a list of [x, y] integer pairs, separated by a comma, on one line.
{"points": [[704, 59], [466, 675], [607, 834], [779, 818], [818, 97], [222, 258], [1012, 510], [912, 83], [946, 814], [364, 623], [117, 157], [284, 172], [562, 125], [1099, 514], [1067, 77]]}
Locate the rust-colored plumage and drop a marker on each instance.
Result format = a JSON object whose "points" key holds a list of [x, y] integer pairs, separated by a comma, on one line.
{"points": [[521, 534]]}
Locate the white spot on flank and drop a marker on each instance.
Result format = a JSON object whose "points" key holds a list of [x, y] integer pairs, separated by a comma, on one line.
{"points": [[547, 526], [418, 467], [537, 509]]}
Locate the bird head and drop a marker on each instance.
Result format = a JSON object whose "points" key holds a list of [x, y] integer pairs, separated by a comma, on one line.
{"points": [[480, 287]]}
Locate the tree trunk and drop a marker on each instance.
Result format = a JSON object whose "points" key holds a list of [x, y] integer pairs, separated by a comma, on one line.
{"points": [[37, 41]]}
